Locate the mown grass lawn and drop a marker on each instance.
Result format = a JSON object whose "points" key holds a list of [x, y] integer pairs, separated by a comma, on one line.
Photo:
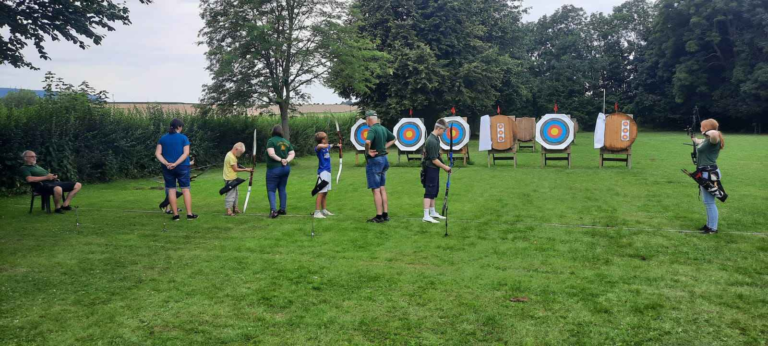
{"points": [[636, 278]]}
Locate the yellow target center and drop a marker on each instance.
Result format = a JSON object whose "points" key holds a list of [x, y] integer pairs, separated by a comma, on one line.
{"points": [[555, 131]]}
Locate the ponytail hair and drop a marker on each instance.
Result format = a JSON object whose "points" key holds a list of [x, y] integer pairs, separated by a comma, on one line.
{"points": [[712, 124], [175, 125]]}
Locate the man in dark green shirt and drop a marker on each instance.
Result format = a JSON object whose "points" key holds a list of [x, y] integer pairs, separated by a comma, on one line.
{"points": [[377, 164], [432, 164], [47, 183]]}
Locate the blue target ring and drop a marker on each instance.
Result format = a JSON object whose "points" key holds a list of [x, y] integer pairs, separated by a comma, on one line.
{"points": [[554, 131], [415, 136], [459, 131], [361, 134]]}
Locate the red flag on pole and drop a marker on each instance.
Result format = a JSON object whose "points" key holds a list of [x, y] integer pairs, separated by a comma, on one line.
{"points": [[616, 107], [410, 112], [453, 110], [498, 109], [556, 107]]}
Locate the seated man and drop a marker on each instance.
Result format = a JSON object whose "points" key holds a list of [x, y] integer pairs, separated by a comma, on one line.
{"points": [[46, 183]]}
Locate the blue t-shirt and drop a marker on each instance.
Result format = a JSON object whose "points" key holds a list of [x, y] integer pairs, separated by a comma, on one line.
{"points": [[323, 160], [173, 147]]}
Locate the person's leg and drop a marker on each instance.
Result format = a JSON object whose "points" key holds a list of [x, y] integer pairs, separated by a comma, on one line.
{"points": [[383, 179], [319, 202], [272, 180], [187, 199], [72, 194], [230, 200], [282, 187], [384, 201], [237, 199], [57, 192], [172, 199], [325, 201], [377, 201], [711, 207]]}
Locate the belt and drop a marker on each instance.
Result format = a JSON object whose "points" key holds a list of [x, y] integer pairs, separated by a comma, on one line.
{"points": [[709, 168]]}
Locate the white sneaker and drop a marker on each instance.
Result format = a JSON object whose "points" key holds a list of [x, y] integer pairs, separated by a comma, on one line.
{"points": [[319, 215], [437, 216], [327, 213], [429, 219]]}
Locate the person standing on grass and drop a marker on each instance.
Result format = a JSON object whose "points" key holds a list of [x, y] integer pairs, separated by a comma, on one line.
{"points": [[708, 150], [173, 152], [323, 151], [431, 164], [377, 164], [279, 154], [230, 175], [47, 183]]}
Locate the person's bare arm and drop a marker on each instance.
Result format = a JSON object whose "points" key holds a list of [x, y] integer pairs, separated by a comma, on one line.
{"points": [[238, 169], [323, 146], [291, 155], [159, 155], [272, 155], [389, 144], [713, 136], [31, 179], [445, 167], [368, 149]]}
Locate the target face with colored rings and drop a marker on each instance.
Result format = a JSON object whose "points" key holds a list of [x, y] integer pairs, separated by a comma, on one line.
{"points": [[359, 133], [410, 134], [458, 131], [555, 131]]}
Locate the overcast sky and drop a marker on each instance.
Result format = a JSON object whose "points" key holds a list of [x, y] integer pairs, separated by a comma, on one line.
{"points": [[157, 59]]}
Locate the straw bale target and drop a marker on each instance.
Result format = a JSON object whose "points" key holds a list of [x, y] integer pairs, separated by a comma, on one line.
{"points": [[526, 129], [620, 131], [503, 134]]}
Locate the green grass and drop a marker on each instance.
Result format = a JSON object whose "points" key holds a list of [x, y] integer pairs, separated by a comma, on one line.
{"points": [[635, 279]]}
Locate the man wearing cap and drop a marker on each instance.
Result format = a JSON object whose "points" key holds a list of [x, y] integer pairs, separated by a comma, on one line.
{"points": [[376, 144]]}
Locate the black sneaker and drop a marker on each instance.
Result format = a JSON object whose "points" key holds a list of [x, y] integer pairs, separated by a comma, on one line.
{"points": [[67, 208], [385, 218], [375, 219], [707, 230], [703, 228], [176, 218], [191, 217], [273, 214], [281, 212], [59, 211]]}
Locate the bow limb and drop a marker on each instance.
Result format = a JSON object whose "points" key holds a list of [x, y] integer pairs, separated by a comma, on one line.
{"points": [[341, 152]]}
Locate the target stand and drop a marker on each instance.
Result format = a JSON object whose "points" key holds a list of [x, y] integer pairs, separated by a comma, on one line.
{"points": [[409, 155], [627, 153], [462, 153], [547, 155], [492, 155], [527, 145]]}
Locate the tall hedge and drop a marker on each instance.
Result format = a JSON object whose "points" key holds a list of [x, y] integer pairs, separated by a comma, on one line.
{"points": [[91, 143]]}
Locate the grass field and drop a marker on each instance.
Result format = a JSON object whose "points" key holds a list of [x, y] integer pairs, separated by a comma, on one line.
{"points": [[601, 254]]}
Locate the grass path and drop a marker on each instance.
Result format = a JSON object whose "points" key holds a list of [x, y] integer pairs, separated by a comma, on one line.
{"points": [[598, 253]]}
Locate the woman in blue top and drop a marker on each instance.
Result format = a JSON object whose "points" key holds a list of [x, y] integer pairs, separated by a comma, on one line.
{"points": [[173, 152]]}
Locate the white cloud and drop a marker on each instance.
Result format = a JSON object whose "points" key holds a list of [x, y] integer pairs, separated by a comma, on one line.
{"points": [[157, 58]]}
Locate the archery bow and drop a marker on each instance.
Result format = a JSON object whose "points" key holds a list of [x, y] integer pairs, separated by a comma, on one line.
{"points": [[691, 130], [448, 183], [250, 180], [341, 154]]}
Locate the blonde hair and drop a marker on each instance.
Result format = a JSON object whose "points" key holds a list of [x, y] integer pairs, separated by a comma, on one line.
{"points": [[712, 124], [320, 136], [239, 145]]}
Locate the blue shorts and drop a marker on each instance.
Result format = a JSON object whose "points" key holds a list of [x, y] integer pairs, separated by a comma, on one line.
{"points": [[179, 174], [376, 171]]}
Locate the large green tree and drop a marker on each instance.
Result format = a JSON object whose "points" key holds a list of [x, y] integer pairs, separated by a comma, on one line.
{"points": [[710, 54], [264, 52], [444, 53], [75, 21]]}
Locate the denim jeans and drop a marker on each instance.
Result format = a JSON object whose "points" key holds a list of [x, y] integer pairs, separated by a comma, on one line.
{"points": [[376, 171], [709, 203], [277, 179]]}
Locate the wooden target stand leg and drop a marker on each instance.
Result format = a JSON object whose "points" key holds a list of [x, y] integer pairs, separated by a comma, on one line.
{"points": [[545, 158], [408, 158], [527, 145], [357, 156], [626, 159], [492, 155]]}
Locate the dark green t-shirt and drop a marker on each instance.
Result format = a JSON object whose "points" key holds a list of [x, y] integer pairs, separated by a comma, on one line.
{"points": [[282, 147], [707, 153], [379, 136], [432, 150], [32, 171]]}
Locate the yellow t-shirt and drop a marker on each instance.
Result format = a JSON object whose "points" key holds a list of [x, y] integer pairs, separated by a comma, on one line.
{"points": [[229, 173]]}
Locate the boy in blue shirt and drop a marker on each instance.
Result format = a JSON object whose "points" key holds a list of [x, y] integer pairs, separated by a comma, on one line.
{"points": [[323, 151]]}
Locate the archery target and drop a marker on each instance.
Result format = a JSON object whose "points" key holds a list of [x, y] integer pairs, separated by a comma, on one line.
{"points": [[460, 133], [410, 134], [625, 130], [555, 131], [620, 131], [359, 133]]}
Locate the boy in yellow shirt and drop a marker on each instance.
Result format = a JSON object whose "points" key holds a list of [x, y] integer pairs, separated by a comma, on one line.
{"points": [[230, 174]]}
